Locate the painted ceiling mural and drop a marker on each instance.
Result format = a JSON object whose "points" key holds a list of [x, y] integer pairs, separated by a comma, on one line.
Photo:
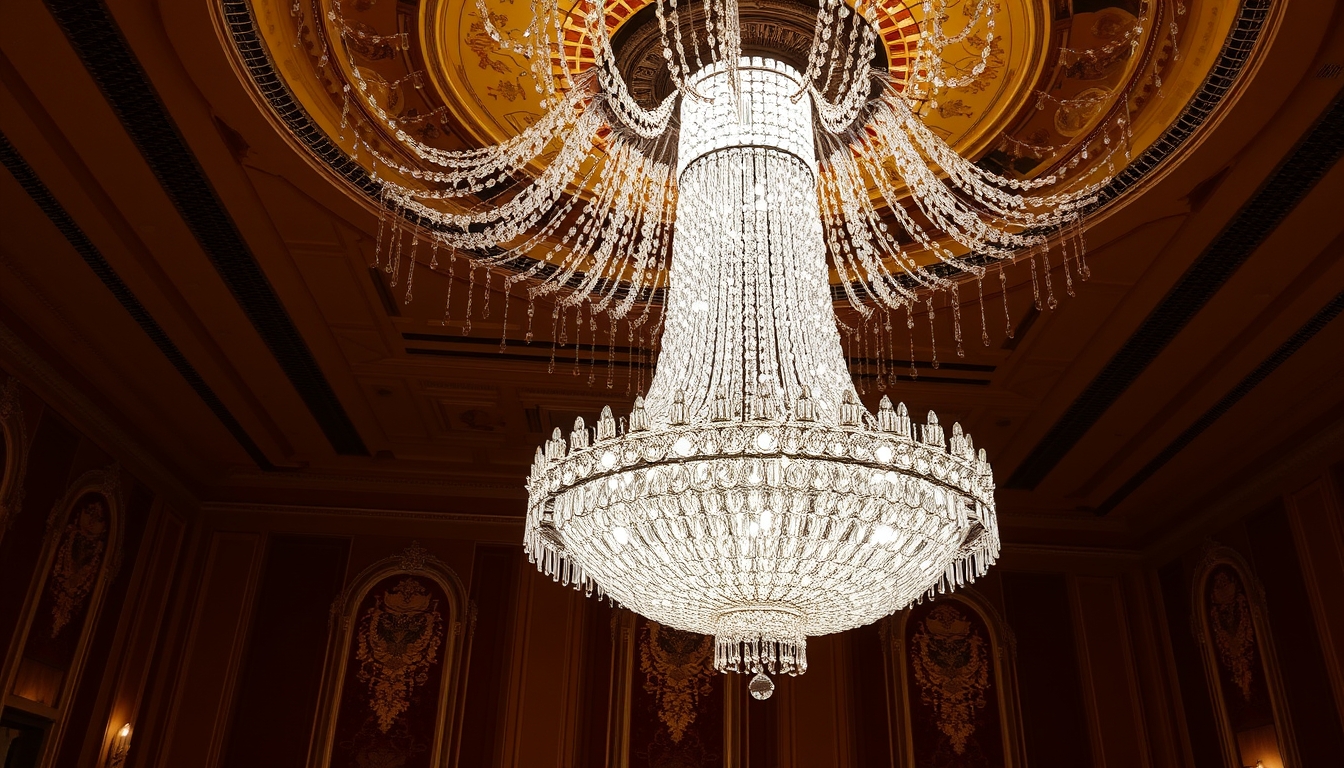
{"points": [[1071, 86]]}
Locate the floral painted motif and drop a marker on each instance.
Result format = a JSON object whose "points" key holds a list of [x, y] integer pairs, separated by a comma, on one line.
{"points": [[678, 667], [1232, 629], [485, 47], [951, 666], [83, 545], [399, 639]]}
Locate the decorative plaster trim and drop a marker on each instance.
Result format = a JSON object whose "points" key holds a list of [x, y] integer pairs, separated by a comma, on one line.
{"points": [[14, 470]]}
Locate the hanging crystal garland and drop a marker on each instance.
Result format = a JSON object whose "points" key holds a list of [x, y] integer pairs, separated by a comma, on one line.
{"points": [[595, 223]]}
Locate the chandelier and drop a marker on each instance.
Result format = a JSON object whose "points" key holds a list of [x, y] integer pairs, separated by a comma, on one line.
{"points": [[749, 495]]}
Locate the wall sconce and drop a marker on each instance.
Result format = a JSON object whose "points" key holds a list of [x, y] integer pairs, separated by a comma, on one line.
{"points": [[121, 746]]}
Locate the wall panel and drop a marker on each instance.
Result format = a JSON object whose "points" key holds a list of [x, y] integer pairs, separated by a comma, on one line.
{"points": [[282, 668], [201, 700], [1306, 681], [1109, 675], [1054, 731]]}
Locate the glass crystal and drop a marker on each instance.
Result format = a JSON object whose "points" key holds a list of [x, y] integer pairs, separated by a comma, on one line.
{"points": [[761, 686]]}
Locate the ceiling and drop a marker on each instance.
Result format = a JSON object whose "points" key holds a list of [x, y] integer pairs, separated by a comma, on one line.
{"points": [[184, 273]]}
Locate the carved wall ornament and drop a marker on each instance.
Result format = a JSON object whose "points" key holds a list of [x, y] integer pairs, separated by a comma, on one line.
{"points": [[79, 556], [414, 557], [677, 667], [399, 639], [391, 690], [951, 665], [1229, 617], [952, 670], [1232, 629]]}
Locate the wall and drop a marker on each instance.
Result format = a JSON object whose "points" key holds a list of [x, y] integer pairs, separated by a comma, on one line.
{"points": [[217, 636]]}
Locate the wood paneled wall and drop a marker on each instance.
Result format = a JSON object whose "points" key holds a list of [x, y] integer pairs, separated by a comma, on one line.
{"points": [[213, 631]]}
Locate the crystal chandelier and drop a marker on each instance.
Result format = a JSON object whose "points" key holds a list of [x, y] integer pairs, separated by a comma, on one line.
{"points": [[750, 496]]}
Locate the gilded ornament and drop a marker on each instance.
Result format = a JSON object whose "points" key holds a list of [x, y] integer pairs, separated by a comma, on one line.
{"points": [[1233, 630], [951, 666], [73, 575], [398, 642], [677, 667]]}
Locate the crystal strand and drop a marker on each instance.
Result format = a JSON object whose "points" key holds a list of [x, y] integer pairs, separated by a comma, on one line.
{"points": [[1068, 275], [471, 294], [860, 369], [955, 297], [910, 331], [611, 350], [629, 357], [378, 242], [933, 340], [1035, 287], [394, 250], [882, 329], [1083, 269], [485, 293], [448, 298], [531, 310], [410, 276], [980, 290], [504, 317], [1045, 270], [578, 337], [434, 254], [1007, 316], [555, 336], [592, 345]]}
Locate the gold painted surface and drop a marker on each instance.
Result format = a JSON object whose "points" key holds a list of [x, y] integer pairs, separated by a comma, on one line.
{"points": [[678, 667], [1062, 75], [951, 665], [399, 639], [83, 545], [1233, 630]]}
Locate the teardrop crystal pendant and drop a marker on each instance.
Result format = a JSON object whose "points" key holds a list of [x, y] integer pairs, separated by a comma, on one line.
{"points": [[761, 686]]}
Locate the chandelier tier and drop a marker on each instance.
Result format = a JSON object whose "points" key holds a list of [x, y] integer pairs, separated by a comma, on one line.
{"points": [[750, 496]]}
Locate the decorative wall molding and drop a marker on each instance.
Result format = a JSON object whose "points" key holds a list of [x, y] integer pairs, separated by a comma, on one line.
{"points": [[1216, 649], [1002, 658], [450, 649], [14, 467], [81, 556]]}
